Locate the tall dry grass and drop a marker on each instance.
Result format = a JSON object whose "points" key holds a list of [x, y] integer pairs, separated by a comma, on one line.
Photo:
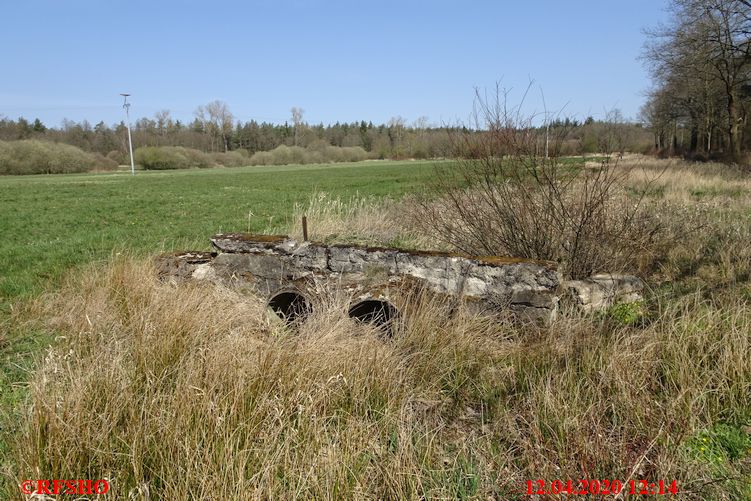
{"points": [[688, 183], [197, 392], [194, 392], [704, 214], [357, 220]]}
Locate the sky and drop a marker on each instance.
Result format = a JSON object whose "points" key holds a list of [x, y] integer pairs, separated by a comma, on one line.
{"points": [[338, 60]]}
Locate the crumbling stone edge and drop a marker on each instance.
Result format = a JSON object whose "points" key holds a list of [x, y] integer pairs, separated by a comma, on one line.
{"points": [[273, 264]]}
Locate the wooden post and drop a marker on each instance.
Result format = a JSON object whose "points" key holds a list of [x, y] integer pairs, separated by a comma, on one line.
{"points": [[305, 229]]}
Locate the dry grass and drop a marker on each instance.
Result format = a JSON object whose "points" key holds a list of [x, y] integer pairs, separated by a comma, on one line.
{"points": [[704, 211], [194, 392], [365, 220], [688, 183]]}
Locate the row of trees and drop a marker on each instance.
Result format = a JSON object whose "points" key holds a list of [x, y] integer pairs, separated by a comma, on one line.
{"points": [[701, 68], [215, 130]]}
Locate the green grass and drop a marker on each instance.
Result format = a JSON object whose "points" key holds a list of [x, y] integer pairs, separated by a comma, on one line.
{"points": [[52, 223]]}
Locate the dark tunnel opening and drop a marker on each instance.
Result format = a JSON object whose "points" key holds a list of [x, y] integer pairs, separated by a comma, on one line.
{"points": [[290, 305], [379, 313]]}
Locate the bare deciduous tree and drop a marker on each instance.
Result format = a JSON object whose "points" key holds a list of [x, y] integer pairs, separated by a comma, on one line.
{"points": [[703, 56], [217, 121], [396, 131], [164, 122], [297, 114]]}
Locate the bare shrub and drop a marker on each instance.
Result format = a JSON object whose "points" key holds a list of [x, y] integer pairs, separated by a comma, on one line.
{"points": [[102, 163], [512, 193], [236, 158], [283, 155], [171, 157], [44, 157], [317, 152], [118, 157]]}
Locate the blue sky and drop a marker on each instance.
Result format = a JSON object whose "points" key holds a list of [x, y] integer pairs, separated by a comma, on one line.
{"points": [[338, 60]]}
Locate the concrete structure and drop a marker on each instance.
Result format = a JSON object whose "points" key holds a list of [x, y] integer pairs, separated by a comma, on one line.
{"points": [[601, 291], [290, 274]]}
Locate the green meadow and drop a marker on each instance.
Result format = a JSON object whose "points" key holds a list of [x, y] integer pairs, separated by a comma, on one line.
{"points": [[52, 223]]}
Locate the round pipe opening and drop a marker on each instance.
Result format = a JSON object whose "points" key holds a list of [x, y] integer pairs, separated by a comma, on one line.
{"points": [[290, 305], [374, 311]]}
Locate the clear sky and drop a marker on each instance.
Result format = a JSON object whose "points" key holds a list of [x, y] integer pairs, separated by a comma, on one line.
{"points": [[338, 60]]}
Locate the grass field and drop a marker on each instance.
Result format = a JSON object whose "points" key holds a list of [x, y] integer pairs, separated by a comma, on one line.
{"points": [[51, 223], [192, 391]]}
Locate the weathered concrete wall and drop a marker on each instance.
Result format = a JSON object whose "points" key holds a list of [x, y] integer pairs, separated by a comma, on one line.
{"points": [[603, 290], [271, 265]]}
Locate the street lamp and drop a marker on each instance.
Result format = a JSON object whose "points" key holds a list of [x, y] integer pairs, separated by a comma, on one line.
{"points": [[126, 106]]}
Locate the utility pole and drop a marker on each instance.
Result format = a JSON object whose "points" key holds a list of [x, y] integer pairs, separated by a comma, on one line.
{"points": [[126, 106]]}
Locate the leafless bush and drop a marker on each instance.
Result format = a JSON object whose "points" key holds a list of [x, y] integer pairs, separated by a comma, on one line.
{"points": [[118, 157], [171, 157], [44, 157], [316, 153], [237, 158], [511, 192]]}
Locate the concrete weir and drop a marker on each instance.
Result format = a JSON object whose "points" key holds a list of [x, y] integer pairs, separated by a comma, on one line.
{"points": [[290, 274]]}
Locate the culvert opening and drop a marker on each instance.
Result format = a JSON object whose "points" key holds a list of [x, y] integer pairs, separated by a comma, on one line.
{"points": [[290, 305], [372, 311]]}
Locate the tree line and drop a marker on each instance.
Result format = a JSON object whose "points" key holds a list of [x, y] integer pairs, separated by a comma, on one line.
{"points": [[214, 130], [700, 63]]}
